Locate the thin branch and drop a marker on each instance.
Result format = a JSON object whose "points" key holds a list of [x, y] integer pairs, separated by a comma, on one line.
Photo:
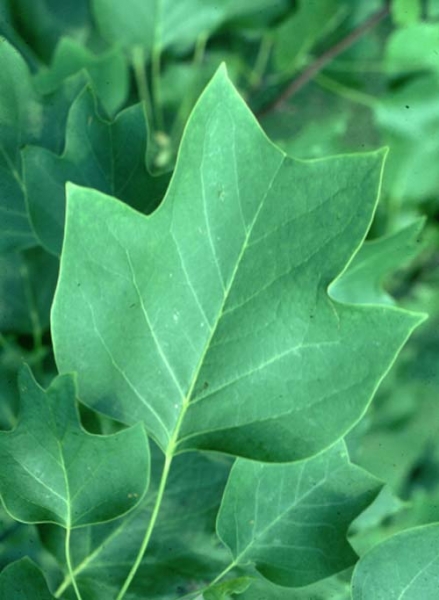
{"points": [[324, 59]]}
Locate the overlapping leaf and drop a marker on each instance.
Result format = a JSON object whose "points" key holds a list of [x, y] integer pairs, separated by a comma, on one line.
{"points": [[184, 554], [291, 521], [23, 580], [18, 115], [25, 299], [108, 156], [406, 566], [210, 320], [159, 24], [108, 72], [297, 35], [25, 118], [54, 471], [363, 280]]}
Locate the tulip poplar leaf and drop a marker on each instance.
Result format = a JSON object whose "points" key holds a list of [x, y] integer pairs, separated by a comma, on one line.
{"points": [[405, 566], [210, 320], [23, 580], [53, 471], [291, 520]]}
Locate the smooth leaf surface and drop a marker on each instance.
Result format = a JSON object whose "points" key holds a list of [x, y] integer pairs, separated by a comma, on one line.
{"points": [[23, 580], [210, 320], [108, 156], [53, 471], [404, 567], [291, 520]]}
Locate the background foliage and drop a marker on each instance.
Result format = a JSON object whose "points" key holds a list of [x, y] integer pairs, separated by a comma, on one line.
{"points": [[99, 96]]}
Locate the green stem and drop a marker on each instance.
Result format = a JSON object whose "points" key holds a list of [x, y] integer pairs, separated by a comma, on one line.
{"points": [[138, 62], [69, 566], [37, 330], [200, 49], [156, 89], [180, 119], [346, 92], [152, 522], [258, 71]]}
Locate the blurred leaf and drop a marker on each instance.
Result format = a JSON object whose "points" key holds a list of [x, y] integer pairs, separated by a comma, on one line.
{"points": [[70, 477], [404, 566], [433, 9], [363, 280], [108, 156], [159, 25], [20, 119], [23, 580], [406, 12], [108, 72], [41, 23], [295, 37], [406, 118], [26, 297], [291, 520], [413, 48]]}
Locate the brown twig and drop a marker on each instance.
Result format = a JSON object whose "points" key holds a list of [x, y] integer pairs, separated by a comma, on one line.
{"points": [[324, 59]]}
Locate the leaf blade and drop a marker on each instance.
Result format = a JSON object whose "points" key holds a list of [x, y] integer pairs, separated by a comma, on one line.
{"points": [[229, 356], [53, 471]]}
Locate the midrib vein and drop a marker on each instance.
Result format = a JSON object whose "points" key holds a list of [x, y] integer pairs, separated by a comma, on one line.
{"points": [[173, 442]]}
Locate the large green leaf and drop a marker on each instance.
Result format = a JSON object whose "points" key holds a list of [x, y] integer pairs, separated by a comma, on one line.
{"points": [[23, 580], [185, 553], [210, 320], [406, 566], [291, 521], [52, 470], [108, 156]]}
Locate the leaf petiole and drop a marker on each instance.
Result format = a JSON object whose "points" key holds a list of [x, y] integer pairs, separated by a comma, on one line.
{"points": [[69, 564], [151, 525]]}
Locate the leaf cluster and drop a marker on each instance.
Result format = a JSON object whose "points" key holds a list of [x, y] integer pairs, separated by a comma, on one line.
{"points": [[206, 296]]}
